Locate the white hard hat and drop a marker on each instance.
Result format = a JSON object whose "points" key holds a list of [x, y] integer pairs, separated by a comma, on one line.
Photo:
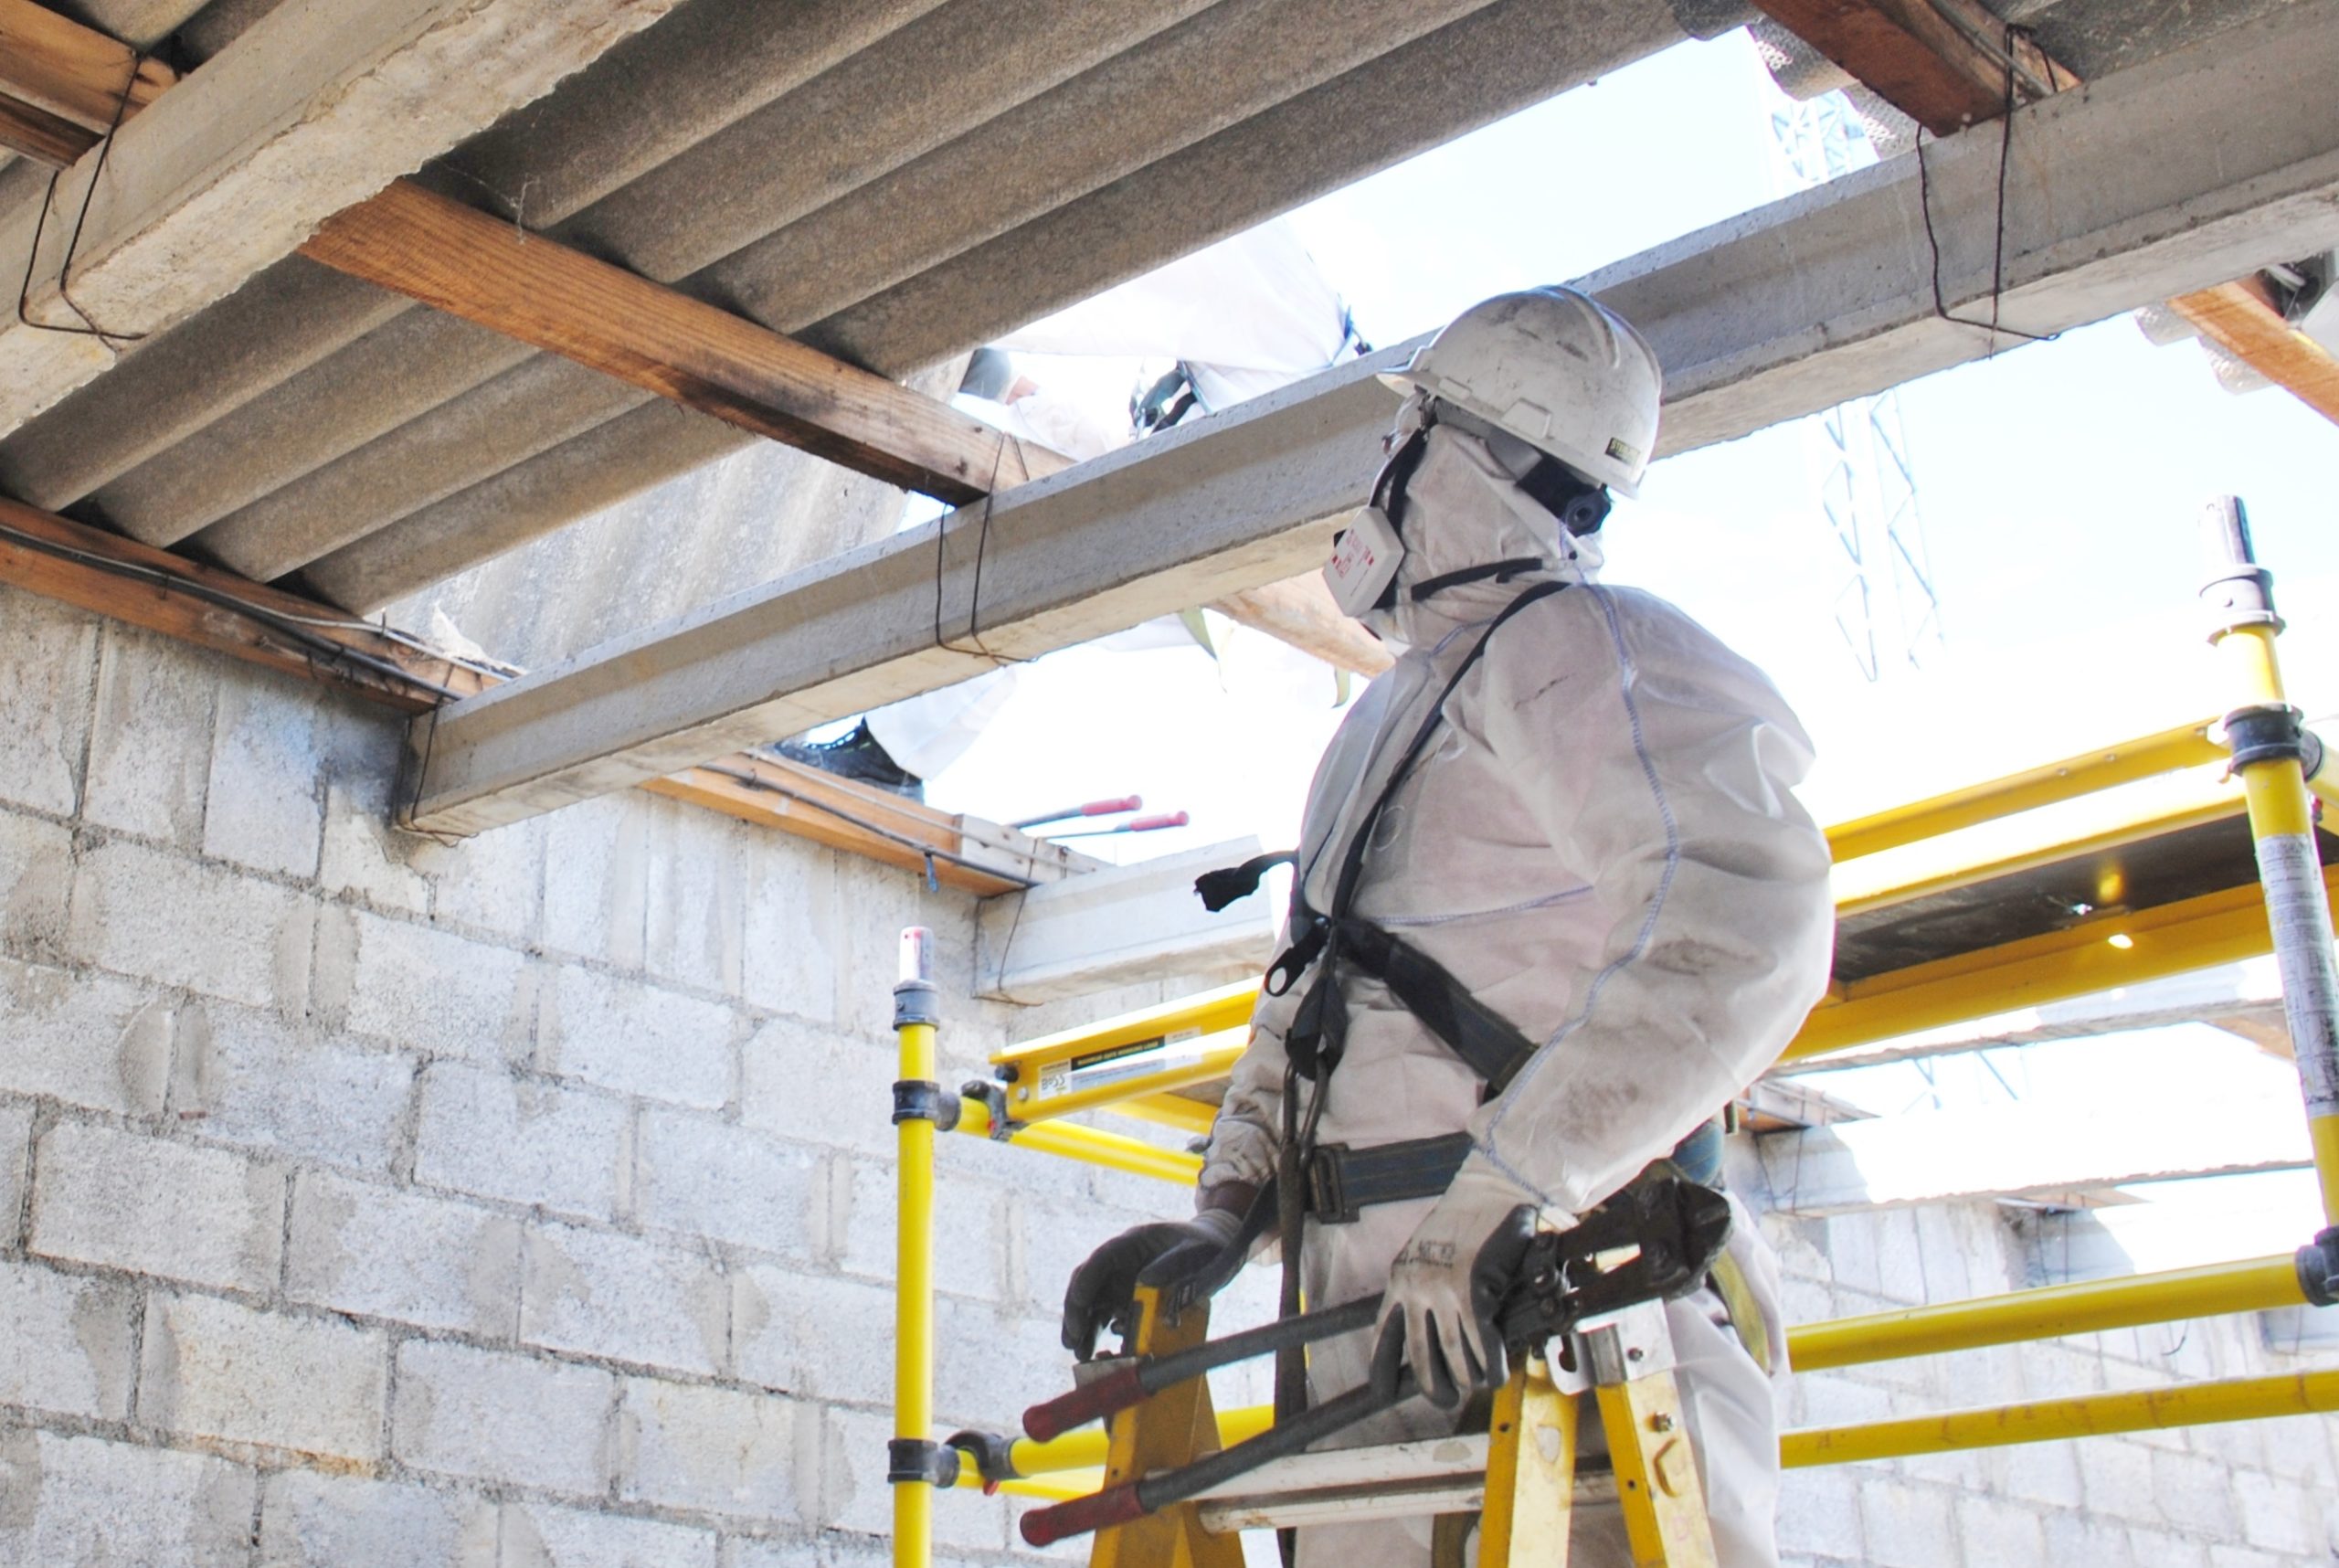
{"points": [[1558, 370]]}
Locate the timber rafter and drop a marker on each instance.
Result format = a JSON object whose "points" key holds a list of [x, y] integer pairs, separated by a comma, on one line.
{"points": [[141, 586]]}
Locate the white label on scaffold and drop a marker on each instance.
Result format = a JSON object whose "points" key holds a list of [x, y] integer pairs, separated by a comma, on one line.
{"points": [[2299, 915]]}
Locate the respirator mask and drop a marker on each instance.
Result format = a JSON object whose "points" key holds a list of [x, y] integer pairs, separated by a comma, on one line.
{"points": [[1362, 572], [1366, 555]]}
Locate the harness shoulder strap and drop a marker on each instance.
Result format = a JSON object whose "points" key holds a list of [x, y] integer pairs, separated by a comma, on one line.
{"points": [[1318, 1030]]}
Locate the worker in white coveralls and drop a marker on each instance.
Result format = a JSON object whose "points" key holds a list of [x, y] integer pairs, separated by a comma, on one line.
{"points": [[1577, 803], [1241, 317]]}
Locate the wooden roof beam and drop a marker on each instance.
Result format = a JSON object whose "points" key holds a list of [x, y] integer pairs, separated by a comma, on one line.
{"points": [[63, 85], [1945, 64], [2241, 318], [141, 586], [526, 286], [105, 573], [499, 276]]}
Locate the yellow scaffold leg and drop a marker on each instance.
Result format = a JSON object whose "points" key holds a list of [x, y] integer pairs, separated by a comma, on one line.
{"points": [[1658, 1485], [1531, 1454], [1173, 1427], [1531, 1472], [2269, 750]]}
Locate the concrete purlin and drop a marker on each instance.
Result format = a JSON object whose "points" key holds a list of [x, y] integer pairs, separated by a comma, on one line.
{"points": [[2105, 223], [314, 108]]}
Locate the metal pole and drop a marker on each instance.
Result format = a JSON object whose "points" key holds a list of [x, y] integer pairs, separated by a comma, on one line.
{"points": [[2268, 744], [2253, 1286], [913, 1454], [1089, 1145], [2088, 1415]]}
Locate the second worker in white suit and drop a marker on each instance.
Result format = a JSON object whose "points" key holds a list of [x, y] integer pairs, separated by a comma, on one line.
{"points": [[1563, 827]]}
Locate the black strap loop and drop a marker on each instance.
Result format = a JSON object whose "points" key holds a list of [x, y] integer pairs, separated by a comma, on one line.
{"points": [[1490, 1043], [1219, 888], [1501, 571]]}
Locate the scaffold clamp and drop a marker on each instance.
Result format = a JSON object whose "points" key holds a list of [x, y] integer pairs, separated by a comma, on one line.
{"points": [[992, 1453], [922, 1099], [909, 1460], [2319, 1269], [2269, 731], [993, 1097], [916, 1002]]}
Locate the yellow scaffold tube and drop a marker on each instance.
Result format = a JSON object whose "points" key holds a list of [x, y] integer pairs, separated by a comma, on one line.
{"points": [[2255, 1284], [2263, 731], [914, 1020], [1089, 1145], [1085, 1449], [2050, 1420], [2184, 747], [1025, 1104]]}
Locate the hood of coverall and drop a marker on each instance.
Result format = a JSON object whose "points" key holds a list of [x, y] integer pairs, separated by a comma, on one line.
{"points": [[1463, 509]]}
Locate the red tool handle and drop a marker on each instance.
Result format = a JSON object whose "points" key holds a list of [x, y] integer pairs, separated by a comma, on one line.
{"points": [[1090, 1401], [1107, 808], [1148, 824], [1100, 1511]]}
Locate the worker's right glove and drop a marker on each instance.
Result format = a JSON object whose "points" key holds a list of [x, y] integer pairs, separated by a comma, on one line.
{"points": [[1446, 1287], [1165, 1255]]}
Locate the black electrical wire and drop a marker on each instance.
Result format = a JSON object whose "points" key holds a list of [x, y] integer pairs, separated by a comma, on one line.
{"points": [[295, 627], [1998, 248], [88, 328], [982, 547]]}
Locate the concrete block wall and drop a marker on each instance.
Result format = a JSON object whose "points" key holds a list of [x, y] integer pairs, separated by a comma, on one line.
{"points": [[524, 1203], [2248, 1495], [527, 1203]]}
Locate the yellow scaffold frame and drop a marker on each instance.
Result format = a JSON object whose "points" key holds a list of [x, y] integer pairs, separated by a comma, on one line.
{"points": [[1141, 1064]]}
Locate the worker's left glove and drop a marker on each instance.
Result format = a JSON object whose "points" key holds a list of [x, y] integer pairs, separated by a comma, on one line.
{"points": [[1165, 1255], [1448, 1285]]}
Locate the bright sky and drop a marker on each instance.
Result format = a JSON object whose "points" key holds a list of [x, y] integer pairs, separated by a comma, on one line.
{"points": [[2058, 486]]}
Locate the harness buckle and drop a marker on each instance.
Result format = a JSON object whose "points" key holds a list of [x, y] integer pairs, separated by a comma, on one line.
{"points": [[1327, 1199]]}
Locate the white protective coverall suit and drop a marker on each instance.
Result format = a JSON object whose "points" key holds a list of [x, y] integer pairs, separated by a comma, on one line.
{"points": [[1601, 843], [1244, 316]]}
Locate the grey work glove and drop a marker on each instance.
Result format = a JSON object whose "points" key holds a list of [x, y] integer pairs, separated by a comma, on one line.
{"points": [[1164, 1254], [1445, 1287]]}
